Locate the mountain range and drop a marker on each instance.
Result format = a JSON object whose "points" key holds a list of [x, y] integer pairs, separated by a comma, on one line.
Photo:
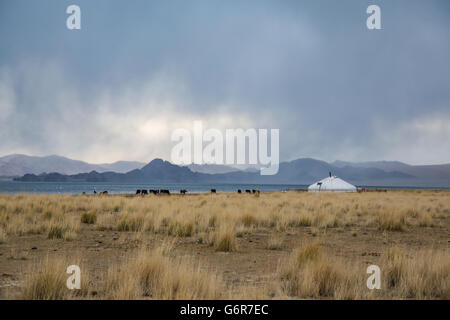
{"points": [[19, 164], [300, 171]]}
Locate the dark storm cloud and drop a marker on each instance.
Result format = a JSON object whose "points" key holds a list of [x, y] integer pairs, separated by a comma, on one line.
{"points": [[310, 68]]}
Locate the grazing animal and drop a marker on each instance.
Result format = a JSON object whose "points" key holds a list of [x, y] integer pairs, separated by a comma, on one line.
{"points": [[164, 191], [183, 191], [239, 191], [154, 191], [95, 192], [138, 191], [144, 192], [213, 190], [105, 192], [247, 191]]}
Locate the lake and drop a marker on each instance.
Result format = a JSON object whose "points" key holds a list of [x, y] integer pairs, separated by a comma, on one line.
{"points": [[117, 188]]}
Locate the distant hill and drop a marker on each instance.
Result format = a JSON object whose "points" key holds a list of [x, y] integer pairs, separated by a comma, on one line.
{"points": [[19, 165], [211, 168], [157, 170], [427, 172], [383, 165], [300, 171]]}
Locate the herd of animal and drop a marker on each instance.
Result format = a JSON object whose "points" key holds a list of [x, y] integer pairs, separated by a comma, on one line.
{"points": [[95, 192], [152, 191], [182, 191]]}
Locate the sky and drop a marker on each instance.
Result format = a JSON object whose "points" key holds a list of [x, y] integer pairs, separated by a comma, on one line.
{"points": [[137, 70]]}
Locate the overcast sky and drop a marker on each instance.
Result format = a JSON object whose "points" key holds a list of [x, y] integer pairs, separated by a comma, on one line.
{"points": [[117, 88]]}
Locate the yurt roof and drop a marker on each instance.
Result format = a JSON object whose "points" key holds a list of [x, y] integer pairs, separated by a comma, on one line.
{"points": [[331, 184]]}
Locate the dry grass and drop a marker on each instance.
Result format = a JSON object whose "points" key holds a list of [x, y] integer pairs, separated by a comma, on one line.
{"points": [[275, 242], [46, 280], [2, 236], [309, 273], [89, 217], [224, 238], [65, 228], [48, 283], [223, 223], [418, 275], [391, 221], [153, 274], [187, 216]]}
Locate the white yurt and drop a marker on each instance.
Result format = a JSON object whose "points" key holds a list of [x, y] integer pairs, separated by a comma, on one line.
{"points": [[332, 184]]}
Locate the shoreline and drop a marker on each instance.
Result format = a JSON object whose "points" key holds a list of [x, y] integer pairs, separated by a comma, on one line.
{"points": [[195, 193]]}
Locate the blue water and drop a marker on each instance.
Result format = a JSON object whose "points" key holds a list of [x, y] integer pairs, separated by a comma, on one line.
{"points": [[89, 187]]}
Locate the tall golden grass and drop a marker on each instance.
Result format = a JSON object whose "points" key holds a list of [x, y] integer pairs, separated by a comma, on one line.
{"points": [[154, 274], [146, 274], [46, 280], [59, 215], [309, 272], [420, 275]]}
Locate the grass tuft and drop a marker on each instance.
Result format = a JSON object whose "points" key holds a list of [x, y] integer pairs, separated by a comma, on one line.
{"points": [[224, 238], [89, 217]]}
